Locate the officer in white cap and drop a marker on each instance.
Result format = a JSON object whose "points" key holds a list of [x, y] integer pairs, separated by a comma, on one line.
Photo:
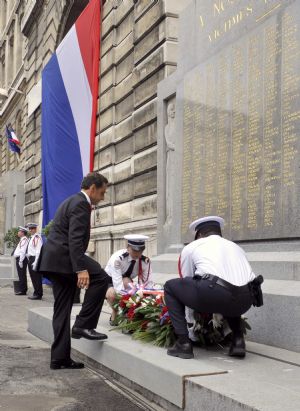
{"points": [[216, 278], [21, 260], [127, 264], [33, 252]]}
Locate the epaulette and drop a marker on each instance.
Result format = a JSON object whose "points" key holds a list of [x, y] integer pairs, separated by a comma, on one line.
{"points": [[124, 255], [145, 259]]}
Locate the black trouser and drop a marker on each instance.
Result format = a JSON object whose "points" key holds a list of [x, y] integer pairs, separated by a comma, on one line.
{"points": [[22, 275], [64, 288], [207, 297], [36, 278]]}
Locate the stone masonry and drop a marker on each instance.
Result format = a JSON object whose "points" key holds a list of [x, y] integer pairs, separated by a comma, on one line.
{"points": [[138, 50]]}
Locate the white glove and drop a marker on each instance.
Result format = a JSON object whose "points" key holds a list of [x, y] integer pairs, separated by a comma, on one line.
{"points": [[192, 335], [34, 266], [217, 320], [21, 264]]}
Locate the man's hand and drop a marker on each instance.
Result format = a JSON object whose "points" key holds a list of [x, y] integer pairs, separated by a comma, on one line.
{"points": [[21, 264], [83, 279], [126, 282]]}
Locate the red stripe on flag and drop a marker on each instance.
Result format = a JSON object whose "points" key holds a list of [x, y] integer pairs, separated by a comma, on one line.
{"points": [[88, 33], [179, 267]]}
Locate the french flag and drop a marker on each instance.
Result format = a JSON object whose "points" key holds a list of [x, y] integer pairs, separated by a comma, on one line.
{"points": [[69, 108], [13, 141]]}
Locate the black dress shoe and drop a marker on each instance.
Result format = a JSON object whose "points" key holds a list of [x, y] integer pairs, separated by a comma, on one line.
{"points": [[238, 347], [181, 350], [34, 297], [20, 293], [88, 334], [66, 364]]}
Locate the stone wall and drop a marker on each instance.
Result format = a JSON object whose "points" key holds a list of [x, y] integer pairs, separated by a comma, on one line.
{"points": [[138, 50]]}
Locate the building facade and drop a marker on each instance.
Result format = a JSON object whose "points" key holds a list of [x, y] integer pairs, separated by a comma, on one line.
{"points": [[138, 50]]}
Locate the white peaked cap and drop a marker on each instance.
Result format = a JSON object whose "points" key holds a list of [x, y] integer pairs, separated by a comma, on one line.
{"points": [[196, 225], [21, 228], [136, 241]]}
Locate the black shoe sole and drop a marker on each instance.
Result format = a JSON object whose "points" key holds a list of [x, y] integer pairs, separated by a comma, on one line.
{"points": [[78, 336], [237, 353], [64, 367], [181, 355]]}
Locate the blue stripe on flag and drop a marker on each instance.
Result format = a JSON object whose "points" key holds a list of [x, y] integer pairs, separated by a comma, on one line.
{"points": [[61, 161]]}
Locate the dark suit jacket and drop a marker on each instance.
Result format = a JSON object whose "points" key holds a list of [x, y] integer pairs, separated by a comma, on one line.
{"points": [[68, 238]]}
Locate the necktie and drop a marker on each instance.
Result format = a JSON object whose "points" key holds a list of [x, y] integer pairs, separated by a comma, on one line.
{"points": [[129, 269]]}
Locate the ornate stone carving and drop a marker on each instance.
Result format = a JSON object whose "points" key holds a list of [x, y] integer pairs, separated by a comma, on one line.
{"points": [[170, 148]]}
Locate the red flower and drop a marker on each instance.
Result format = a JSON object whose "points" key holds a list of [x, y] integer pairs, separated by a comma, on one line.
{"points": [[144, 325], [163, 311], [123, 300], [130, 313], [159, 300]]}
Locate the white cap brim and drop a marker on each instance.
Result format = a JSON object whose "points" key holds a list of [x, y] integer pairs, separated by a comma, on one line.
{"points": [[202, 220]]}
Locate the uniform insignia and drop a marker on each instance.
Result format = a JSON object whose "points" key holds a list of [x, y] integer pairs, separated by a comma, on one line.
{"points": [[145, 259], [117, 264], [124, 255]]}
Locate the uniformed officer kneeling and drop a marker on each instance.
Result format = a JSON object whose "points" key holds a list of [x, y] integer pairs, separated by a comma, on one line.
{"points": [[127, 264], [218, 279]]}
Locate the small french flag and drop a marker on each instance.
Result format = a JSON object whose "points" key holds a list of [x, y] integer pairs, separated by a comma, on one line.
{"points": [[69, 108], [12, 139]]}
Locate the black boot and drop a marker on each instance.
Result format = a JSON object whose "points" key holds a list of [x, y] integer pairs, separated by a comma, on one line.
{"points": [[182, 349], [238, 346]]}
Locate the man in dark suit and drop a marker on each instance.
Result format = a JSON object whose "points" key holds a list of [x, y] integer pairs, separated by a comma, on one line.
{"points": [[64, 262]]}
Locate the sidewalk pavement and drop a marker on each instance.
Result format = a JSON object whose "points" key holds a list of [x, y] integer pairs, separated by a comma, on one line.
{"points": [[28, 384]]}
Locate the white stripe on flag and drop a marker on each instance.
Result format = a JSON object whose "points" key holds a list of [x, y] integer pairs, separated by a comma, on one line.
{"points": [[78, 92], [14, 137]]}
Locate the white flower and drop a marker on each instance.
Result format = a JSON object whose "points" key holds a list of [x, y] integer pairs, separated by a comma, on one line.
{"points": [[140, 293]]}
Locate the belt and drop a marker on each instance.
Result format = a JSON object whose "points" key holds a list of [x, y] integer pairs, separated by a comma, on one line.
{"points": [[225, 284]]}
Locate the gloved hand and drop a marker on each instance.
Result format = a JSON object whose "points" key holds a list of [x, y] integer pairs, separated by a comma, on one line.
{"points": [[192, 335], [21, 264], [217, 320], [34, 266]]}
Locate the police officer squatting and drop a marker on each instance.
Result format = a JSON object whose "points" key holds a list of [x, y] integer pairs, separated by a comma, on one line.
{"points": [[216, 277], [125, 265]]}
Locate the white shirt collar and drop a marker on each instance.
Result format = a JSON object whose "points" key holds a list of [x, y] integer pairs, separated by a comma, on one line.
{"points": [[87, 197]]}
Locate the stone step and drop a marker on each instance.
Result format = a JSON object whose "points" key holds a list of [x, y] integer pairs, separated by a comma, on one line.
{"points": [[268, 379], [276, 265], [277, 321], [284, 265], [165, 263]]}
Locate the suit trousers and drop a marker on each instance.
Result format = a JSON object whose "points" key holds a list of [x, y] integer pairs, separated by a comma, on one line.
{"points": [[36, 278], [204, 296], [64, 288], [22, 275]]}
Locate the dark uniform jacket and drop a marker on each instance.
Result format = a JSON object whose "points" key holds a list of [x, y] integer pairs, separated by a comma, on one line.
{"points": [[68, 238]]}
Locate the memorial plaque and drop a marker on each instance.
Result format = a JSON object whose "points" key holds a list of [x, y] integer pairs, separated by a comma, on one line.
{"points": [[241, 119]]}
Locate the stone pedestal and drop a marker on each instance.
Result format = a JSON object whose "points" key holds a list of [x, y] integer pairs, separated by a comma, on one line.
{"points": [[236, 147]]}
